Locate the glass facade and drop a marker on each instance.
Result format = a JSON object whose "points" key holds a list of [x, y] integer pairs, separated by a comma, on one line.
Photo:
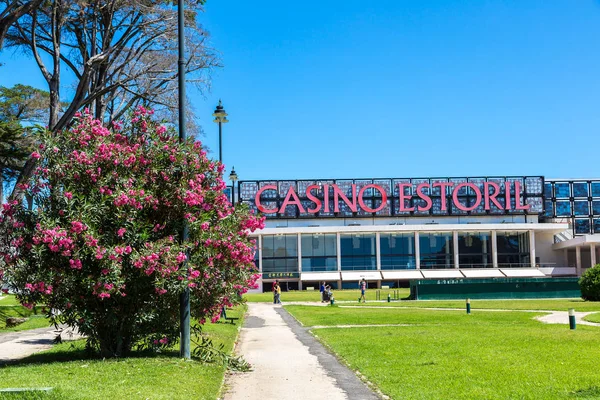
{"points": [[280, 253], [513, 249], [358, 251], [475, 250], [397, 250], [437, 250], [578, 200], [319, 252]]}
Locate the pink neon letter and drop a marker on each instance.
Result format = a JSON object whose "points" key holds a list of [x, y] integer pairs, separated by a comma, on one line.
{"points": [[287, 202], [337, 193], [455, 196], [518, 198], [443, 186], [313, 199], [362, 204], [423, 196], [487, 196], [402, 197], [260, 207]]}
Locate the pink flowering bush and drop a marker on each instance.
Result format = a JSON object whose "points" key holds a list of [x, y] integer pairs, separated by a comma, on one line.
{"points": [[102, 247]]}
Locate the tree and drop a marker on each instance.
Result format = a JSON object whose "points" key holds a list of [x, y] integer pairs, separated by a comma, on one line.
{"points": [[590, 284], [21, 108], [11, 13], [103, 247], [123, 53]]}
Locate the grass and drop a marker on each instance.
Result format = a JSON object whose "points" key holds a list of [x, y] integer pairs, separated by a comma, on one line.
{"points": [[10, 307], [592, 318], [524, 304], [74, 375], [451, 355], [314, 295]]}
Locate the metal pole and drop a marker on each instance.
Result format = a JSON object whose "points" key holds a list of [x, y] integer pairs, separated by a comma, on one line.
{"points": [[184, 299], [220, 144]]}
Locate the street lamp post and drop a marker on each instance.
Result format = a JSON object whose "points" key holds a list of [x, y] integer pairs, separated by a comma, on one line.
{"points": [[184, 298], [220, 118], [233, 177]]}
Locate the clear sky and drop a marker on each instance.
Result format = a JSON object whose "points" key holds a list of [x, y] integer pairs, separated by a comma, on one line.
{"points": [[392, 88]]}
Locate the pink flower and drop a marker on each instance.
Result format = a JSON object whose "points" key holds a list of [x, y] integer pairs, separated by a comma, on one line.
{"points": [[121, 232], [69, 195], [75, 264], [35, 155]]}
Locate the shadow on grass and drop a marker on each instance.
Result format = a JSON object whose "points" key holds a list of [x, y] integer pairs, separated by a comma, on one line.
{"points": [[77, 352]]}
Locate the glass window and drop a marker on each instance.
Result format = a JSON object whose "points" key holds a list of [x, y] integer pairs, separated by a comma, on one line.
{"points": [[513, 249], [563, 208], [548, 190], [562, 190], [596, 189], [358, 251], [548, 211], [436, 250], [582, 207], [582, 226], [280, 253], [597, 225], [397, 250], [596, 207], [319, 252], [475, 250], [580, 189]]}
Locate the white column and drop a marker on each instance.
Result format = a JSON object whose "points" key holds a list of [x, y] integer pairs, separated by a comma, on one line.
{"points": [[378, 250], [593, 254], [532, 248], [417, 251], [455, 248], [494, 249], [339, 252], [299, 253], [578, 260]]}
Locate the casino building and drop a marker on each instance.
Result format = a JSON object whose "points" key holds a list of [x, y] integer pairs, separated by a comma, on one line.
{"points": [[391, 231]]}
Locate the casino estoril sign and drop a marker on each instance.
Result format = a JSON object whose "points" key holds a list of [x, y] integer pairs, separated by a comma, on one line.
{"points": [[492, 191]]}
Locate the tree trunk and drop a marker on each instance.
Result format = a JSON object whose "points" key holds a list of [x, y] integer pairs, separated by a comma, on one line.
{"points": [[1, 187]]}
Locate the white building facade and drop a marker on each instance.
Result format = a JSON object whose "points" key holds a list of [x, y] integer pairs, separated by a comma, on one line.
{"points": [[391, 231]]}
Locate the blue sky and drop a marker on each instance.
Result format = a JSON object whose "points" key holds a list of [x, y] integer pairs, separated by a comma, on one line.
{"points": [[357, 89]]}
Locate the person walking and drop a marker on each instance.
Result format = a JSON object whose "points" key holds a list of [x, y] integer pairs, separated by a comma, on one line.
{"points": [[274, 289], [363, 290], [278, 293], [322, 288]]}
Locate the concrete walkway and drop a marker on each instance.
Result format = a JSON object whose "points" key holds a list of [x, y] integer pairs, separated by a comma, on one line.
{"points": [[17, 345], [288, 362]]}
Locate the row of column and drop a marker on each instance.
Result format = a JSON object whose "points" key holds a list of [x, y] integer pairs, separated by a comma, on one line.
{"points": [[578, 265], [418, 251]]}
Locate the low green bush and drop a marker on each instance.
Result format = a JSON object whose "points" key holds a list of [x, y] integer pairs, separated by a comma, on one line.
{"points": [[590, 284]]}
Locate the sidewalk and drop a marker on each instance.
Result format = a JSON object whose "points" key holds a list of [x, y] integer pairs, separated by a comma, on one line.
{"points": [[17, 345], [288, 362]]}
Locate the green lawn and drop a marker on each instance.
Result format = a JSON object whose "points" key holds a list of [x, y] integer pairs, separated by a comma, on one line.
{"points": [[314, 295], [593, 318], [452, 355], [533, 304], [10, 307], [73, 375]]}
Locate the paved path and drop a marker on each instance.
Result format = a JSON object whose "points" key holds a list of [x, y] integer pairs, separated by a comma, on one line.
{"points": [[17, 345], [288, 362]]}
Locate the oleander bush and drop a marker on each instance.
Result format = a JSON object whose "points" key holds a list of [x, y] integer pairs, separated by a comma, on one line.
{"points": [[102, 247], [590, 284]]}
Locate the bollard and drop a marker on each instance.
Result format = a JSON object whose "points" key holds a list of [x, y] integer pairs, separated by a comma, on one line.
{"points": [[331, 300], [572, 323], [468, 306], [389, 298]]}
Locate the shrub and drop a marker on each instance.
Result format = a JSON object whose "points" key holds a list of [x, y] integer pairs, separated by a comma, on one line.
{"points": [[103, 249], [590, 284]]}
